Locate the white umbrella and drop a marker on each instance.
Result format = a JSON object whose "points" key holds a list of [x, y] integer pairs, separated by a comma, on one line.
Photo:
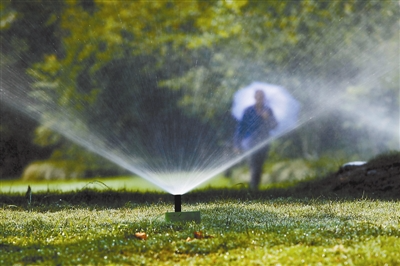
{"points": [[283, 105]]}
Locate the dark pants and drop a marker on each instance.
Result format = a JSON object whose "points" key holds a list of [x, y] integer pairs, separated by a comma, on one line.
{"points": [[256, 162]]}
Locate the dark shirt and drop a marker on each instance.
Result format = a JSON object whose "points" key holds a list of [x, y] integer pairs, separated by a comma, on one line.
{"points": [[254, 126]]}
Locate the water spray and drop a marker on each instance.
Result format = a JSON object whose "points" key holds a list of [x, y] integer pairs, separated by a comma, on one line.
{"points": [[179, 216]]}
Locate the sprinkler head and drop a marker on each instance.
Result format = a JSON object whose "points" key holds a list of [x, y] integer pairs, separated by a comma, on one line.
{"points": [[179, 216], [178, 203]]}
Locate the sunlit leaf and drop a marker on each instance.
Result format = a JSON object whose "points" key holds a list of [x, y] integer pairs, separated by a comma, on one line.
{"points": [[141, 235]]}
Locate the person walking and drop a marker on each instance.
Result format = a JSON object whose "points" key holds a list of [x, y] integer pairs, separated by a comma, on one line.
{"points": [[255, 126]]}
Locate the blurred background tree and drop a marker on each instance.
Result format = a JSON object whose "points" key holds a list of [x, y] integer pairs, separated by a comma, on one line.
{"points": [[27, 33], [197, 54]]}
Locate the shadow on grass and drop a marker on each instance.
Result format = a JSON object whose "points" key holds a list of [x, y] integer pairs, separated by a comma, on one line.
{"points": [[103, 199]]}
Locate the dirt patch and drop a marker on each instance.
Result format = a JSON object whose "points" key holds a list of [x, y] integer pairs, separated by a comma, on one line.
{"points": [[379, 177]]}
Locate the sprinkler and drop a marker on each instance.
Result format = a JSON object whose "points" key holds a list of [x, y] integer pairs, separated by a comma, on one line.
{"points": [[179, 216], [178, 203]]}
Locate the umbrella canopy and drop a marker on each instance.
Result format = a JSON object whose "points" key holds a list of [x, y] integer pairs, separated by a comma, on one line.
{"points": [[283, 105]]}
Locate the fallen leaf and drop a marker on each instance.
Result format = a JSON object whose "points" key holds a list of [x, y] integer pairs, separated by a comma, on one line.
{"points": [[140, 235], [198, 235]]}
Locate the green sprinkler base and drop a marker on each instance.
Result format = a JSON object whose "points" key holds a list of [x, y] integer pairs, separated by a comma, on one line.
{"points": [[183, 217]]}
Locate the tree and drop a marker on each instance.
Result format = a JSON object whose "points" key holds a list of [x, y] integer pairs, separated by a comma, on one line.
{"points": [[197, 54], [100, 46], [22, 24], [314, 48]]}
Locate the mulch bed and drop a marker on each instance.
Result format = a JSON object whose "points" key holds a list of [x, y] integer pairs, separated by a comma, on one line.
{"points": [[380, 178]]}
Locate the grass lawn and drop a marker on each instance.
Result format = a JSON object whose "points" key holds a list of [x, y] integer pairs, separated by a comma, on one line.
{"points": [[131, 183], [238, 228]]}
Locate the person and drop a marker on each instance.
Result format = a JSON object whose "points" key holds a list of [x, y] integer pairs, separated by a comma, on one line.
{"points": [[255, 126]]}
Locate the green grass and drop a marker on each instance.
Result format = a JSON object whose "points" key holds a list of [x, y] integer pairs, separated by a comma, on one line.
{"points": [[93, 222], [98, 227], [131, 183]]}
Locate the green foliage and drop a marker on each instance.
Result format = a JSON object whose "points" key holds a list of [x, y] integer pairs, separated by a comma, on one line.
{"points": [[27, 33], [198, 53], [53, 170], [18, 41], [312, 48]]}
